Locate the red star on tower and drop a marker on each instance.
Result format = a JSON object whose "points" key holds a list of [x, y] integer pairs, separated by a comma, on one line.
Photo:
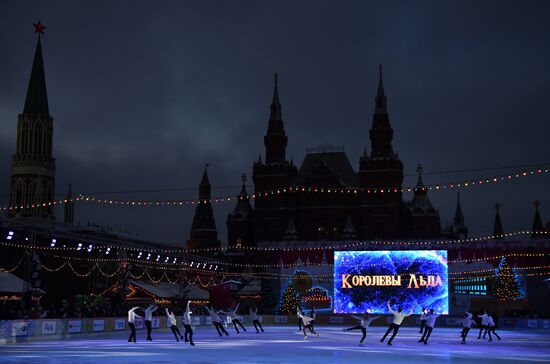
{"points": [[39, 27]]}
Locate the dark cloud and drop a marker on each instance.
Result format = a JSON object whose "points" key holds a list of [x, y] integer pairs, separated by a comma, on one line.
{"points": [[143, 95]]}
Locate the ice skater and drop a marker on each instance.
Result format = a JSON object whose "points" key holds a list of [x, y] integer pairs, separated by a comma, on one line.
{"points": [[148, 318], [484, 324], [132, 316], [255, 319], [423, 320], [365, 322], [312, 315], [299, 314], [398, 317], [307, 323], [174, 325], [466, 326], [430, 323], [232, 314], [187, 324], [216, 321], [491, 327]]}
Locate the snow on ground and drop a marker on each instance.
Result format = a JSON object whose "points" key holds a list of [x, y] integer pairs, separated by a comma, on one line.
{"points": [[282, 344]]}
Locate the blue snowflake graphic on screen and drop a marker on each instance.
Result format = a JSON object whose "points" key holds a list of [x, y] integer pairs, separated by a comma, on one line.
{"points": [[361, 298]]}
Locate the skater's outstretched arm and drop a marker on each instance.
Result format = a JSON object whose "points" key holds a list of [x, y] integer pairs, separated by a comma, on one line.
{"points": [[389, 308]]}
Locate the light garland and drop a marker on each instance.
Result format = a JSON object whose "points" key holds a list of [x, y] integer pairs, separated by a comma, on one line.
{"points": [[274, 192], [264, 275], [338, 246], [494, 269], [9, 270], [183, 265]]}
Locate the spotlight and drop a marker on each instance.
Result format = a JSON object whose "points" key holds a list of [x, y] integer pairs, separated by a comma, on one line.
{"points": [[10, 235], [148, 256], [174, 262], [53, 243], [158, 257], [216, 268], [79, 247], [90, 247], [204, 265], [108, 251], [139, 255], [192, 263]]}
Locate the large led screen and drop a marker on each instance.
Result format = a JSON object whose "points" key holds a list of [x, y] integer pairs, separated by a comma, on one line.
{"points": [[412, 279]]}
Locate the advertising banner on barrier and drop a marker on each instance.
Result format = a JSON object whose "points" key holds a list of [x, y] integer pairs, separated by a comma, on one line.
{"points": [[196, 321], [19, 328], [155, 322], [98, 325], [532, 324], [139, 323], [48, 327], [208, 321], [120, 324], [336, 320], [75, 326], [546, 324], [280, 319]]}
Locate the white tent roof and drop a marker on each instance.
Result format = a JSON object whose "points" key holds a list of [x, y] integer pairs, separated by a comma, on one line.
{"points": [[13, 284], [252, 288], [169, 290]]}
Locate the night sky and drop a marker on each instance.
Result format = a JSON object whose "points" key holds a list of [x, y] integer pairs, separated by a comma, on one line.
{"points": [[143, 94]]}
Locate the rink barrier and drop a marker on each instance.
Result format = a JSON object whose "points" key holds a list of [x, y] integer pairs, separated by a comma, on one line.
{"points": [[21, 330]]}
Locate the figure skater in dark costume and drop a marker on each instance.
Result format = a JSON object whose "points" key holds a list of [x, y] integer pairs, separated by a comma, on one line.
{"points": [[484, 323], [398, 317], [491, 327], [234, 319], [423, 319], [466, 325], [148, 318], [173, 324], [216, 321], [132, 316], [307, 321], [312, 315], [299, 313], [365, 322], [187, 324], [255, 319], [430, 323]]}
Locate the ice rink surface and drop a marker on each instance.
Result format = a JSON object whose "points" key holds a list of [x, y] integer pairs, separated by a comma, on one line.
{"points": [[282, 344]]}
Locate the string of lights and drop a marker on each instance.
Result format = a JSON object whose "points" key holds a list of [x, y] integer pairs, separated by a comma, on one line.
{"points": [[289, 189], [259, 275], [9, 270], [312, 247], [183, 264]]}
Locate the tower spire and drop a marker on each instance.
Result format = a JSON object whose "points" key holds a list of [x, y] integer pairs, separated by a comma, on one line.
{"points": [[275, 103], [381, 100], [498, 231], [204, 187], [381, 133], [459, 217], [538, 227], [36, 101], [275, 140]]}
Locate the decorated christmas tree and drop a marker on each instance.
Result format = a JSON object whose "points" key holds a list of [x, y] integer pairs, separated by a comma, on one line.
{"points": [[290, 301], [506, 286]]}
